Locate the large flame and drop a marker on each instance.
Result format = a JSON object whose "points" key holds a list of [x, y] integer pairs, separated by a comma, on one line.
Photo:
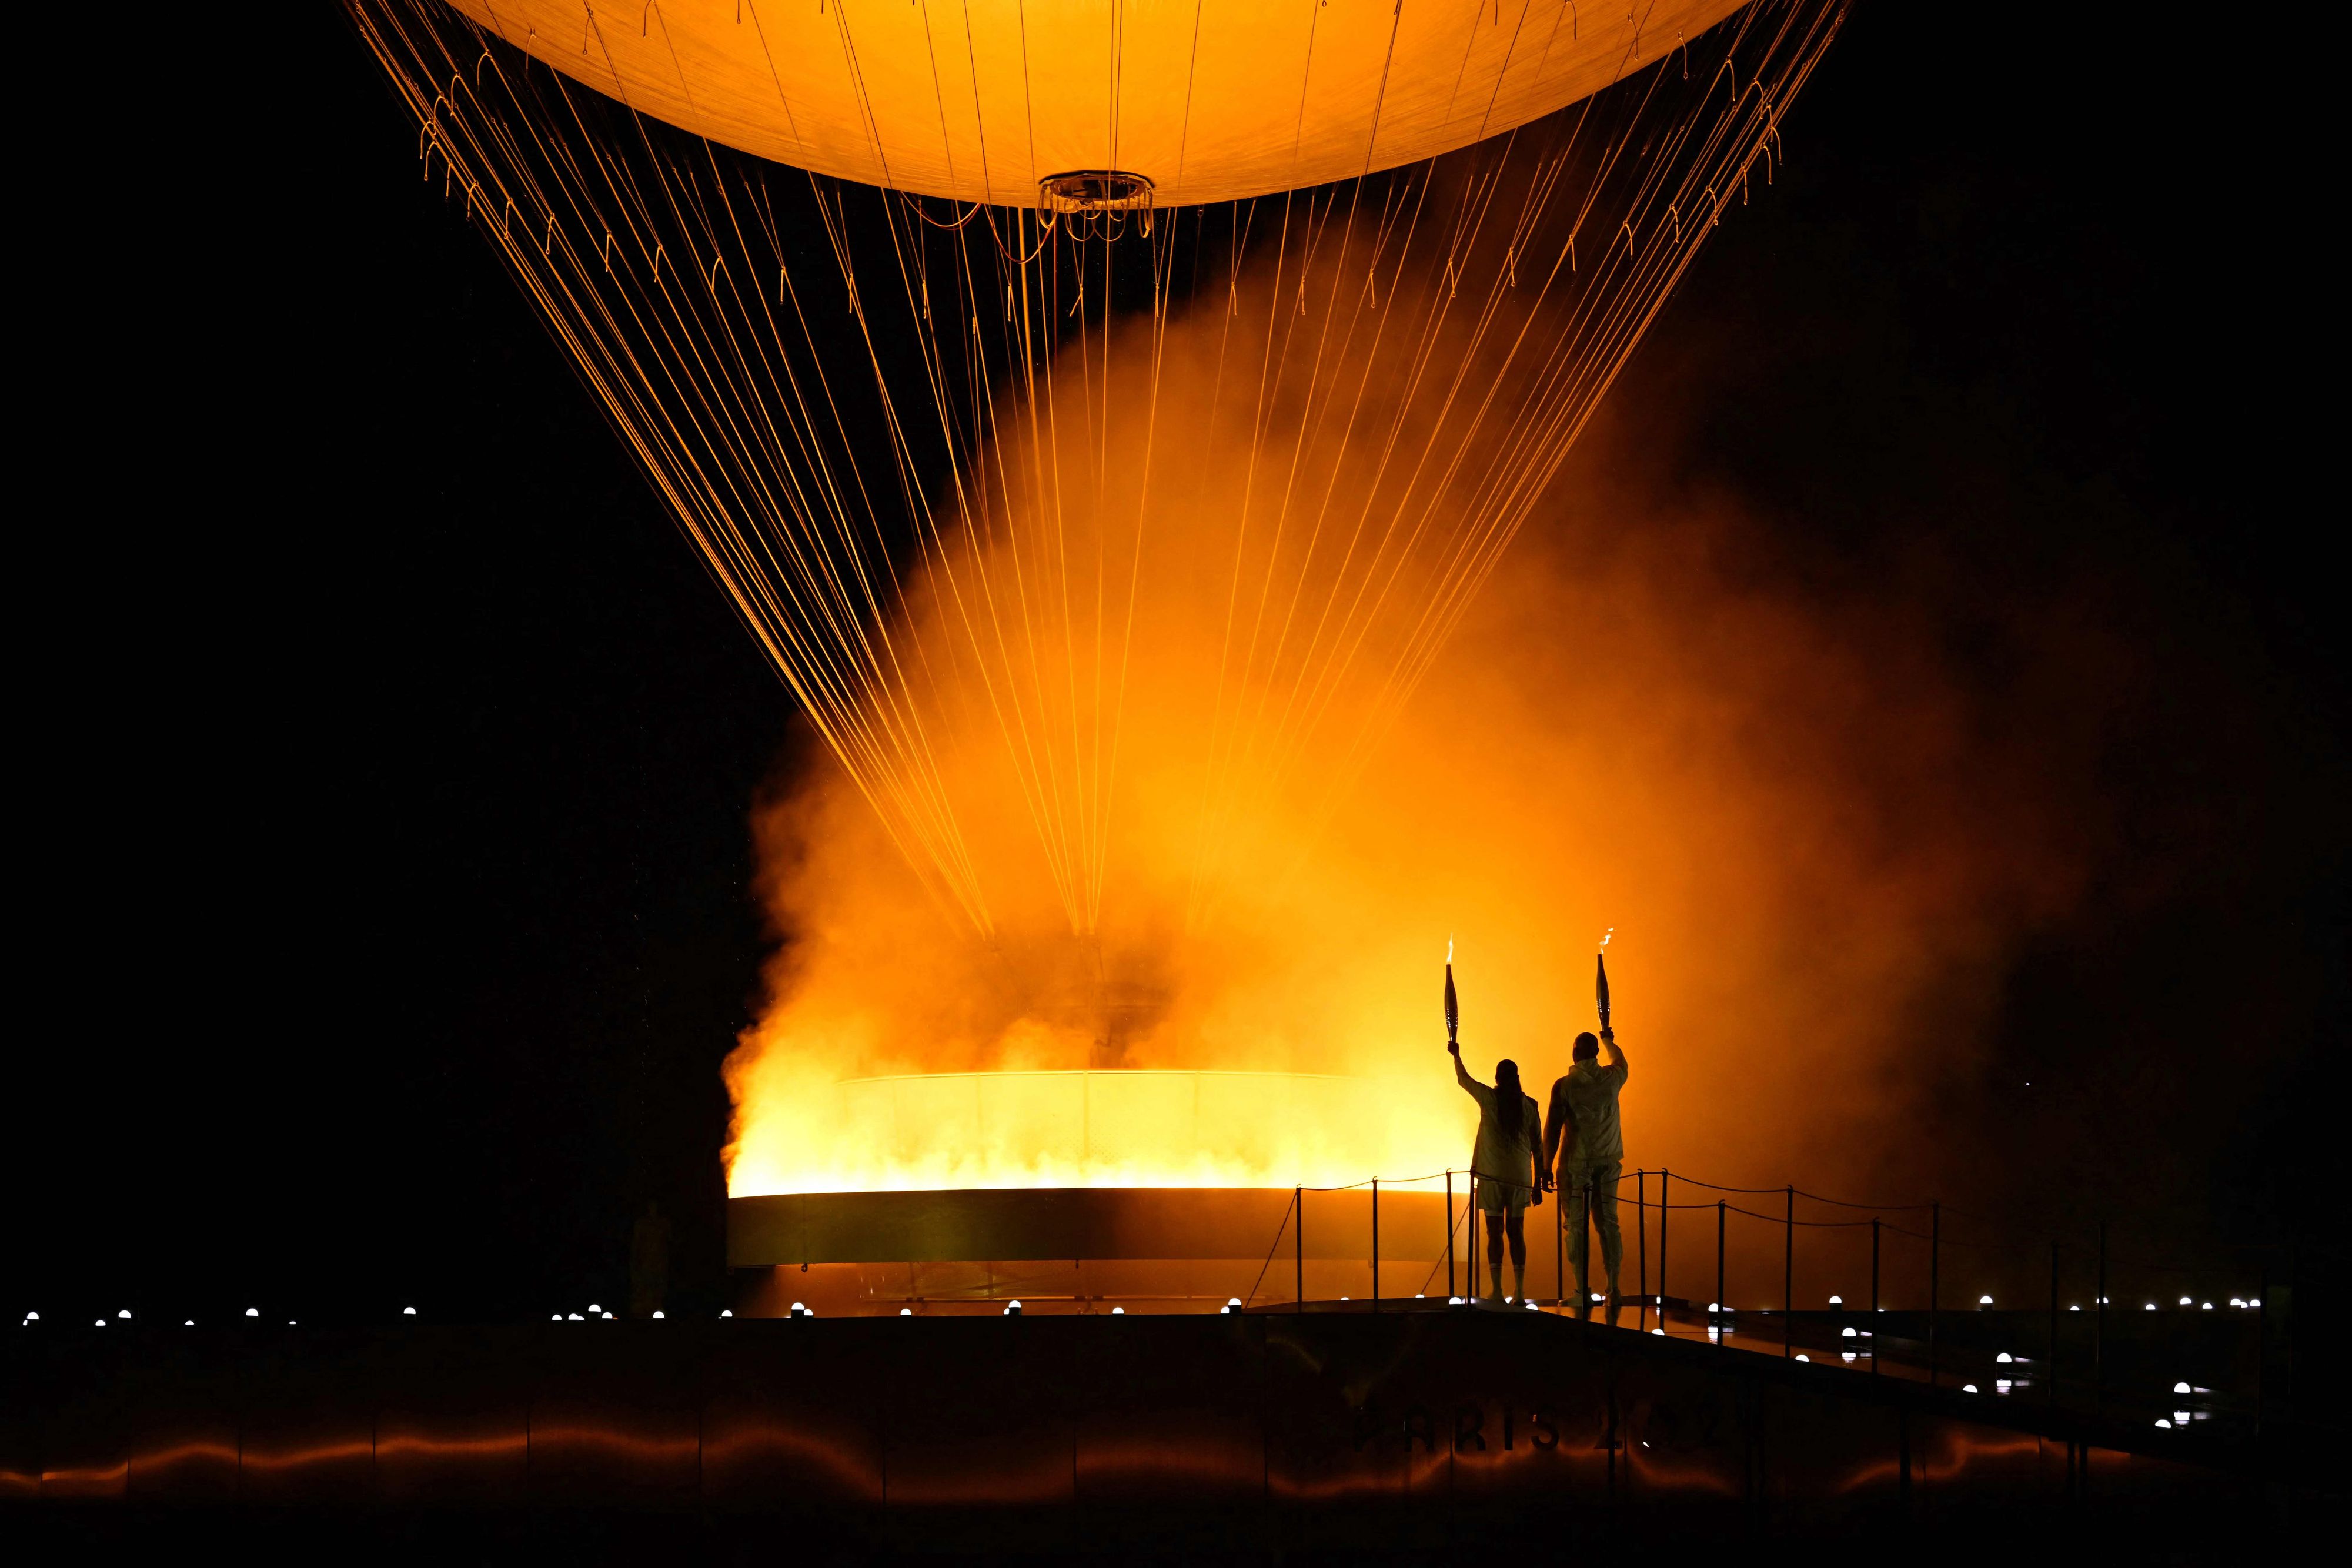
{"points": [[1771, 801]]}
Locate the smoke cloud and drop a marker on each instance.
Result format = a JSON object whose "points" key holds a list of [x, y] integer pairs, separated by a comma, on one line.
{"points": [[1812, 843]]}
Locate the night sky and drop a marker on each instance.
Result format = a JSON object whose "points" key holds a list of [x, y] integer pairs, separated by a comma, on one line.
{"points": [[385, 758]]}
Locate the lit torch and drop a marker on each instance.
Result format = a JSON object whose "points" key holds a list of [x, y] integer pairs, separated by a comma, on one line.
{"points": [[1599, 980], [1453, 1009]]}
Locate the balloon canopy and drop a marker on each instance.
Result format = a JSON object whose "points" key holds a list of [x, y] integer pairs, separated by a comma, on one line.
{"points": [[1210, 100]]}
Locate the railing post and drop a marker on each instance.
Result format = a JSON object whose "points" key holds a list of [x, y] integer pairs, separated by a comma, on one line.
{"points": [[1470, 1218], [1873, 1295], [1789, 1277], [1560, 1245], [1641, 1253], [1666, 1210], [1376, 1244], [1299, 1241], [1720, 1217], [1935, 1284], [1449, 1232]]}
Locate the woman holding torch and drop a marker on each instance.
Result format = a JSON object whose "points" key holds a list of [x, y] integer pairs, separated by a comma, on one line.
{"points": [[1507, 1174]]}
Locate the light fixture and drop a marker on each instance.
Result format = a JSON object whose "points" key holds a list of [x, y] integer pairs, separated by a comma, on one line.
{"points": [[1013, 1309], [2180, 1417], [1714, 1307], [1837, 1301], [2253, 1301], [1967, 1388], [253, 1311], [656, 1315], [1802, 1356], [2180, 1388], [189, 1324], [1118, 1311], [555, 1317], [2184, 1300], [2151, 1306], [2003, 1358], [408, 1311], [2001, 1386], [2163, 1423], [125, 1312], [1453, 1300], [594, 1308], [906, 1311], [2205, 1306], [725, 1312], [1984, 1301], [2073, 1309], [1848, 1334], [1849, 1356], [571, 1317]]}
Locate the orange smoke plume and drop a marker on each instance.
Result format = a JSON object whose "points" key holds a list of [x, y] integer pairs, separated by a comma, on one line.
{"points": [[1172, 730]]}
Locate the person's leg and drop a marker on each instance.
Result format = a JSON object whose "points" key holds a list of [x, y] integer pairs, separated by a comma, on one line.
{"points": [[1575, 1192], [1604, 1216], [1495, 1251], [1517, 1225]]}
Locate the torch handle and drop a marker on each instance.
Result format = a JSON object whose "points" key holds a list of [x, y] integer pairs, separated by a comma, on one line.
{"points": [[1452, 1010], [1600, 990]]}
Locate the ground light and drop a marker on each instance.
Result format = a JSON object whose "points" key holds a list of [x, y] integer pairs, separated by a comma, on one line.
{"points": [[408, 1311], [253, 1311], [724, 1314]]}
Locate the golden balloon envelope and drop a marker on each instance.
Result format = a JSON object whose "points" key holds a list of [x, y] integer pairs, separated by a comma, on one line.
{"points": [[1210, 100]]}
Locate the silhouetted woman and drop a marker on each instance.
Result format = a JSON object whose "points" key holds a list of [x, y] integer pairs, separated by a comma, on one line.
{"points": [[1510, 1132]]}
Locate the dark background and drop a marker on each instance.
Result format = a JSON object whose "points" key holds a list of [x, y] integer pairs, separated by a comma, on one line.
{"points": [[385, 758]]}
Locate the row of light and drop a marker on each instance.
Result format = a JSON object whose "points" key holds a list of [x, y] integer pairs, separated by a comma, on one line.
{"points": [[124, 1316]]}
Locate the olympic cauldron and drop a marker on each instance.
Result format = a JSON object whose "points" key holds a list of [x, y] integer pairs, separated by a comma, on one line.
{"points": [[1086, 1191]]}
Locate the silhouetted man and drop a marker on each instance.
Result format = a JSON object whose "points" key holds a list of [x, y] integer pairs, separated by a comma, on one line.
{"points": [[1581, 1134], [1503, 1157]]}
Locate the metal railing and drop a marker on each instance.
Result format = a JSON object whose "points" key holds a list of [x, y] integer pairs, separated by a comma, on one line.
{"points": [[1926, 1337]]}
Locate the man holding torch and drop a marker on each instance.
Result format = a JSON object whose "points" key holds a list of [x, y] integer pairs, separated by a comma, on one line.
{"points": [[1582, 1135]]}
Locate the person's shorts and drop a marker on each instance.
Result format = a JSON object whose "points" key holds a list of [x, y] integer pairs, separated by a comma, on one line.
{"points": [[1504, 1199]]}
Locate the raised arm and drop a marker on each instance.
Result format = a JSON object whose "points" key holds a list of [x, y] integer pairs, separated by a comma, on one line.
{"points": [[1616, 1052], [1462, 1073]]}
